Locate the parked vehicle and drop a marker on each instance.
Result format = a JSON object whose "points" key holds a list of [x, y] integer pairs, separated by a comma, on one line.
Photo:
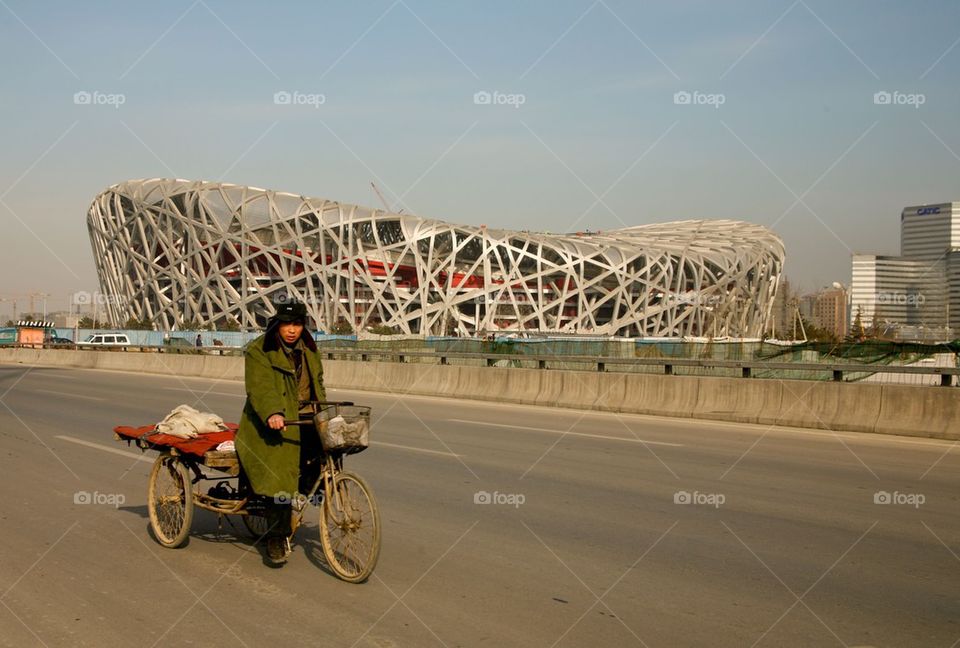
{"points": [[58, 340], [108, 339]]}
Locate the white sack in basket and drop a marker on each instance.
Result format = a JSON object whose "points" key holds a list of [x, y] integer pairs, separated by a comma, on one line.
{"points": [[187, 423], [340, 433]]}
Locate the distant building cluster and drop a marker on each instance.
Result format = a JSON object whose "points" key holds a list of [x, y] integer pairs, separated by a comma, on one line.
{"points": [[827, 309], [172, 252], [915, 295]]}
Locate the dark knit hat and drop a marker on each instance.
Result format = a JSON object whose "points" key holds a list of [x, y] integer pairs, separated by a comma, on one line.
{"points": [[290, 310]]}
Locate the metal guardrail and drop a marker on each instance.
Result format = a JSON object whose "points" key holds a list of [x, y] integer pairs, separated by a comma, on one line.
{"points": [[747, 367]]}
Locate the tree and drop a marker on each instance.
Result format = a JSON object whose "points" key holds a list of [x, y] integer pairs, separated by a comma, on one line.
{"points": [[134, 324], [875, 331], [10, 323], [193, 325], [814, 332], [856, 334], [818, 334], [87, 322], [450, 325], [230, 325], [342, 327]]}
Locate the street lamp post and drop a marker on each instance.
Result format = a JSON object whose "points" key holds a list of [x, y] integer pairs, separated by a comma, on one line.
{"points": [[847, 306]]}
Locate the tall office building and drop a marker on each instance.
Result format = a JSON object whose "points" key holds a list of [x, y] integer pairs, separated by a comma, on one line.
{"points": [[898, 292], [916, 294], [930, 232]]}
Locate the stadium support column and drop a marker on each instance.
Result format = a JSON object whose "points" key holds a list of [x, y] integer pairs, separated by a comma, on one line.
{"points": [[244, 294], [351, 275]]}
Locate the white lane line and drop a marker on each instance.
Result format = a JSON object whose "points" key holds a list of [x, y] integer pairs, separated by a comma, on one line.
{"points": [[870, 437], [50, 374], [100, 446], [580, 434], [413, 449], [60, 393], [203, 392]]}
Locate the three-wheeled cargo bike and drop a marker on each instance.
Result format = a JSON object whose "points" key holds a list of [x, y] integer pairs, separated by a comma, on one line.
{"points": [[349, 517]]}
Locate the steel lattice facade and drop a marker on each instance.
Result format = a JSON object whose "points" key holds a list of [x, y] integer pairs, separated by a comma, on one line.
{"points": [[176, 251]]}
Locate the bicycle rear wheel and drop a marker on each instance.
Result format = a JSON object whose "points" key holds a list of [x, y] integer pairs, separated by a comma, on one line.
{"points": [[350, 528], [170, 501], [257, 525]]}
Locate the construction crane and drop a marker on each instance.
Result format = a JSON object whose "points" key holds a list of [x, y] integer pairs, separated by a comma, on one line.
{"points": [[383, 201]]}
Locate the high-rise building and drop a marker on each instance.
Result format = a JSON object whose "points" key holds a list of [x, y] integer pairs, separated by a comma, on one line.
{"points": [[916, 294], [830, 311], [783, 311], [826, 309]]}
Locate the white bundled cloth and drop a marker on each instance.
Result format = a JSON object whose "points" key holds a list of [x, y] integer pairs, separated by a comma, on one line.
{"points": [[187, 423], [340, 433]]}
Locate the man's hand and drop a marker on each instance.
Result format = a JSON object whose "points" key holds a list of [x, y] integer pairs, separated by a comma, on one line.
{"points": [[275, 422]]}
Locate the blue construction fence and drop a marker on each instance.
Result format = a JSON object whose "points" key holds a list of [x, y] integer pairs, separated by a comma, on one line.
{"points": [[697, 349], [8, 335], [508, 345]]}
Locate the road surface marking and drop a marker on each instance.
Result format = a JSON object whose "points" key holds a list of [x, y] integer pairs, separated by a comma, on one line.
{"points": [[100, 446], [413, 449], [866, 437], [60, 393], [201, 392], [581, 434]]}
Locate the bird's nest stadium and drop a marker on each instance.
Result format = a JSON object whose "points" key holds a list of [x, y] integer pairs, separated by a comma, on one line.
{"points": [[178, 251]]}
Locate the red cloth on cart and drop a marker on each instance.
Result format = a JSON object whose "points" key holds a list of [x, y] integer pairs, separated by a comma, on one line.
{"points": [[196, 446]]}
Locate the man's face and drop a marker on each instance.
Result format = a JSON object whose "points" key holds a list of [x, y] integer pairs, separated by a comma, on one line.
{"points": [[290, 331]]}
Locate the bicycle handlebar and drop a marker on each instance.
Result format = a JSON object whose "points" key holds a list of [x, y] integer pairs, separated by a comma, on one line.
{"points": [[322, 403]]}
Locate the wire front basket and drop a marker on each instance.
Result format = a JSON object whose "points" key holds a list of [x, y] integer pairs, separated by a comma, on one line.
{"points": [[344, 428]]}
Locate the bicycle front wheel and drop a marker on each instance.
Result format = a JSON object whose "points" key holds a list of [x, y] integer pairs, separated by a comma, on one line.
{"points": [[350, 528], [170, 501]]}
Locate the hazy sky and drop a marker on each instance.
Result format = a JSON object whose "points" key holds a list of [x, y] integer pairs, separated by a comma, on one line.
{"points": [[584, 130]]}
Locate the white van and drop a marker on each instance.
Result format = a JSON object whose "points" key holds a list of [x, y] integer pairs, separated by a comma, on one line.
{"points": [[108, 339]]}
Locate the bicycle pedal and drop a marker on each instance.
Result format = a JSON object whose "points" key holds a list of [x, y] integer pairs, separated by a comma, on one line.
{"points": [[223, 490]]}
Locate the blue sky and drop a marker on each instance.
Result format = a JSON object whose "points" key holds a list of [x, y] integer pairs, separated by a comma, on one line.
{"points": [[797, 144]]}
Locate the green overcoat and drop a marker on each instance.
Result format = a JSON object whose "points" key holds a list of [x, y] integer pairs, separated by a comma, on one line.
{"points": [[271, 458]]}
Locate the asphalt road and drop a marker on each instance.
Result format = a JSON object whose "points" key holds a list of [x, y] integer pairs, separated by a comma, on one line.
{"points": [[584, 543]]}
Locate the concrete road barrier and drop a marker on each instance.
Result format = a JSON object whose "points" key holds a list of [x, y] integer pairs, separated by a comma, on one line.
{"points": [[661, 395], [831, 406], [741, 400], [550, 393], [928, 411], [612, 392], [522, 386], [580, 389], [936, 409]]}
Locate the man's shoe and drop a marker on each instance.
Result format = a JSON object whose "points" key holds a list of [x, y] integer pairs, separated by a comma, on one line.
{"points": [[277, 550]]}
